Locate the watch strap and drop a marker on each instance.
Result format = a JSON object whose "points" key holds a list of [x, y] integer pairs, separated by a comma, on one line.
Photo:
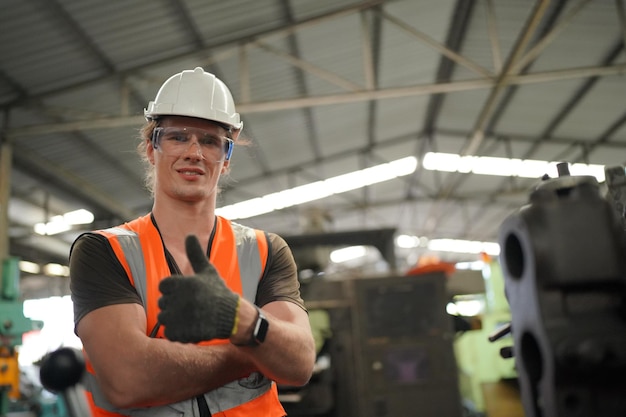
{"points": [[259, 331], [260, 328]]}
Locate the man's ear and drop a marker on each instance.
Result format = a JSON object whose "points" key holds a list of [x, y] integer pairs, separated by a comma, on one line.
{"points": [[235, 134], [225, 167], [150, 152]]}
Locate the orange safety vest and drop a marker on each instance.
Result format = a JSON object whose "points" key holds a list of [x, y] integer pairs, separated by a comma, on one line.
{"points": [[239, 254]]}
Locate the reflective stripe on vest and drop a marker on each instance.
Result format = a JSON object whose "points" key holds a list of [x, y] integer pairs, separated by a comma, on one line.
{"points": [[247, 249], [139, 249]]}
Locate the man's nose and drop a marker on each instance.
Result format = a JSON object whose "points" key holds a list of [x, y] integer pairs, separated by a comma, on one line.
{"points": [[198, 153]]}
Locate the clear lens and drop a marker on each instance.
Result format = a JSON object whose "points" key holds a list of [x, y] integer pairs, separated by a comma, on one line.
{"points": [[175, 141]]}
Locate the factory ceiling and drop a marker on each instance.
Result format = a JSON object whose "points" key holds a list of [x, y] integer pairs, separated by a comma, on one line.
{"points": [[325, 88]]}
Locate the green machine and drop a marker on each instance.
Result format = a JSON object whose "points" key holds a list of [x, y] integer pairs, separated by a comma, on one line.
{"points": [[483, 372], [13, 324]]}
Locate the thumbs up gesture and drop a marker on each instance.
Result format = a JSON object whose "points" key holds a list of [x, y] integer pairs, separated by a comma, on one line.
{"points": [[197, 307]]}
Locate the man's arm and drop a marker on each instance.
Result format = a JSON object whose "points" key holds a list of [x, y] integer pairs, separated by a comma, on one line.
{"points": [[287, 355], [201, 307], [135, 370]]}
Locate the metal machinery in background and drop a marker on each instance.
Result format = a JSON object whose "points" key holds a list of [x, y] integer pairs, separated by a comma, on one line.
{"points": [[405, 349], [19, 396], [13, 325], [388, 348], [61, 372], [487, 377], [564, 261]]}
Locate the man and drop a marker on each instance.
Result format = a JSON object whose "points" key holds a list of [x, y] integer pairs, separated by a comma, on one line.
{"points": [[166, 305]]}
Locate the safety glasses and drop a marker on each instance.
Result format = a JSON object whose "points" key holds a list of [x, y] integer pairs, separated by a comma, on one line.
{"points": [[176, 141]]}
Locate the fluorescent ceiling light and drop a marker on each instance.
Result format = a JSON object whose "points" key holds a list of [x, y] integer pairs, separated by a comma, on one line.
{"points": [[63, 223], [472, 266], [54, 226], [407, 241], [449, 245], [464, 246], [80, 216], [466, 307], [56, 270], [30, 267], [507, 167], [319, 189], [347, 254]]}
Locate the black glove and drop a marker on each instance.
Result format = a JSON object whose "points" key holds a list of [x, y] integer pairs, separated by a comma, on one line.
{"points": [[197, 307]]}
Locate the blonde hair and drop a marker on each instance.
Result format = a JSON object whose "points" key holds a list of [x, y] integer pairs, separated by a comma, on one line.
{"points": [[145, 136]]}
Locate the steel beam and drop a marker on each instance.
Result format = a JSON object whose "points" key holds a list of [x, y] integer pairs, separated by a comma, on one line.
{"points": [[290, 104]]}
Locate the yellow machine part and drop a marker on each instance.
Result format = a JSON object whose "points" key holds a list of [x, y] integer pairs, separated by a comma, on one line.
{"points": [[9, 373]]}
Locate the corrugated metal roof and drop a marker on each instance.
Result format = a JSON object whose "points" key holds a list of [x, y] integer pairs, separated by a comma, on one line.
{"points": [[324, 88]]}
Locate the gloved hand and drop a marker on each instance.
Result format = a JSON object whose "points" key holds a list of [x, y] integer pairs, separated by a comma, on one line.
{"points": [[197, 307]]}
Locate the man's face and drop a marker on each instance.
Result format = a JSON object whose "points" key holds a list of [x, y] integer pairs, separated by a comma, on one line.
{"points": [[186, 168]]}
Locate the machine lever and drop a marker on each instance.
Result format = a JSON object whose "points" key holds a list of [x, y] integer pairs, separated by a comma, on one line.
{"points": [[61, 372], [500, 332]]}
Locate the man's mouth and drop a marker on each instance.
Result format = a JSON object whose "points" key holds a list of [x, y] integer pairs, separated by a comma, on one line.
{"points": [[191, 172]]}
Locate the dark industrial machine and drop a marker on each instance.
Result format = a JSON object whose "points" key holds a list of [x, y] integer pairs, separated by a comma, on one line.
{"points": [[390, 346], [564, 261]]}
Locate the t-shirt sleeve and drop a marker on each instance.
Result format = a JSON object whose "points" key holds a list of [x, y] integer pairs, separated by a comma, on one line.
{"points": [[280, 282], [97, 279]]}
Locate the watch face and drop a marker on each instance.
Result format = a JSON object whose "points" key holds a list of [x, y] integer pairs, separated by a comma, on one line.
{"points": [[262, 326], [260, 329]]}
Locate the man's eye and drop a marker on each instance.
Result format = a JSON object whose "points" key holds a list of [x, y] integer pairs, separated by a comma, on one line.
{"points": [[176, 137], [210, 141]]}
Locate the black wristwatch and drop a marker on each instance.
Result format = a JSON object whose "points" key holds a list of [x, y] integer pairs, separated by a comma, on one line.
{"points": [[260, 328]]}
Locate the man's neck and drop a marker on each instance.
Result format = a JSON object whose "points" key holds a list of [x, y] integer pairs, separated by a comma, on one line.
{"points": [[178, 220]]}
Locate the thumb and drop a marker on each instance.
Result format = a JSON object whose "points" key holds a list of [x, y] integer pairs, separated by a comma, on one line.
{"points": [[197, 257], [169, 285]]}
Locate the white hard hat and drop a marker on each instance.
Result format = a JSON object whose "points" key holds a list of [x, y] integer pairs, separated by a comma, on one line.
{"points": [[195, 94]]}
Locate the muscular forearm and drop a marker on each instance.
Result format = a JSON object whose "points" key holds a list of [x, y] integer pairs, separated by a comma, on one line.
{"points": [[292, 364], [169, 372], [135, 370], [287, 355]]}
